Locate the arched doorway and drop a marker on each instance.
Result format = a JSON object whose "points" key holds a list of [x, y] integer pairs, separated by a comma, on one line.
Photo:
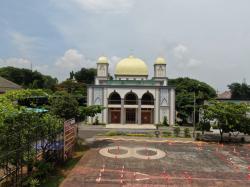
{"points": [[131, 113], [147, 99], [114, 113], [114, 98], [131, 99], [147, 113]]}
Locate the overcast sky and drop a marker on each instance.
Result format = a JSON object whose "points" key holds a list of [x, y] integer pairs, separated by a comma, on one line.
{"points": [[204, 39]]}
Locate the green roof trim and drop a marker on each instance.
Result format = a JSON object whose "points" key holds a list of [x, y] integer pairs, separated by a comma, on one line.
{"points": [[131, 82]]}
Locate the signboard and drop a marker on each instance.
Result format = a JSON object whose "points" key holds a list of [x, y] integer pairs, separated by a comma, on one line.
{"points": [[70, 134]]}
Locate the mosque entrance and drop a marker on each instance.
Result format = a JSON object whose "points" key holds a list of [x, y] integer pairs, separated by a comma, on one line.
{"points": [[130, 115], [114, 116], [147, 116]]}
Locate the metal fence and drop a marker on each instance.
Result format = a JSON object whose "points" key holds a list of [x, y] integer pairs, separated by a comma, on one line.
{"points": [[15, 165]]}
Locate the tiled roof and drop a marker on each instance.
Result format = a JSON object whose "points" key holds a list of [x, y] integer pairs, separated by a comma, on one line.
{"points": [[225, 95], [7, 85]]}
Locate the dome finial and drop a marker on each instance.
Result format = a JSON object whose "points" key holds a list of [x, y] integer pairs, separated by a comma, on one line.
{"points": [[160, 60], [131, 53], [102, 60]]}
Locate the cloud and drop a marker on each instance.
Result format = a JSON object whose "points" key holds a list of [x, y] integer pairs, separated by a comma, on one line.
{"points": [[182, 56], [74, 60], [112, 63], [193, 62], [180, 51], [15, 62], [71, 59], [101, 6], [25, 44]]}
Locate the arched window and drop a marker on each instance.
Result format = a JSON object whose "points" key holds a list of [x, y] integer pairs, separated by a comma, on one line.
{"points": [[131, 99], [114, 98], [147, 99]]}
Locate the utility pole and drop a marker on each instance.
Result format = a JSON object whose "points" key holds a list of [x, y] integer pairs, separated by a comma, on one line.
{"points": [[194, 115], [31, 66], [194, 120]]}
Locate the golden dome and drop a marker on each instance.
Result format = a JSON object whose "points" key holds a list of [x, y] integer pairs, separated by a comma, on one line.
{"points": [[160, 60], [102, 60], [131, 66]]}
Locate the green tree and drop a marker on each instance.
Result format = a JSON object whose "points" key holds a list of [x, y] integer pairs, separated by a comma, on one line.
{"points": [[72, 87], [85, 75], [90, 111], [240, 91], [64, 105], [185, 90], [230, 117], [28, 78], [20, 130]]}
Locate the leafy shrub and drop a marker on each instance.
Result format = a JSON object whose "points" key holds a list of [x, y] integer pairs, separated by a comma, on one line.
{"points": [[167, 134], [198, 136], [215, 126], [187, 133], [177, 131], [204, 126], [32, 182], [165, 121], [114, 133], [96, 121], [43, 169], [64, 105], [140, 135]]}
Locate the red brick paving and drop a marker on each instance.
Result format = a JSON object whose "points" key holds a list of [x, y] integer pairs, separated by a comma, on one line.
{"points": [[185, 165]]}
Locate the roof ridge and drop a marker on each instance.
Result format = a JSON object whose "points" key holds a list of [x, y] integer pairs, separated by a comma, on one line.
{"points": [[12, 84]]}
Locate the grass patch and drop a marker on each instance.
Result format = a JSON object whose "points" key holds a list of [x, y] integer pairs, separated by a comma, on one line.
{"points": [[166, 134], [118, 133], [62, 171], [115, 133], [140, 135]]}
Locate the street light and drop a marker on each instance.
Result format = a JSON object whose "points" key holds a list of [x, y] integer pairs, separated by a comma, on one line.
{"points": [[194, 118], [194, 115]]}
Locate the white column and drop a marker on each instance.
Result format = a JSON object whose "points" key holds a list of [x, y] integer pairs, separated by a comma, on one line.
{"points": [[90, 98], [139, 111], [172, 107], [122, 112], [157, 107], [105, 104]]}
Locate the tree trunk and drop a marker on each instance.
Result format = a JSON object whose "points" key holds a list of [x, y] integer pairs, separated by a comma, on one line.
{"points": [[221, 136]]}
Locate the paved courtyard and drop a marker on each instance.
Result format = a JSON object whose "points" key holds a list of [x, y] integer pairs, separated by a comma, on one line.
{"points": [[169, 163]]}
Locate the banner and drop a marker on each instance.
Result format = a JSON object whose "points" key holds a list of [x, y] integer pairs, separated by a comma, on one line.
{"points": [[70, 134]]}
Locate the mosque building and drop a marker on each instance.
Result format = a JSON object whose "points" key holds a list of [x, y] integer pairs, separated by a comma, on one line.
{"points": [[131, 98]]}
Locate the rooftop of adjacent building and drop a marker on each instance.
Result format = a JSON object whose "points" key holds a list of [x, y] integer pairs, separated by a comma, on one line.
{"points": [[7, 85]]}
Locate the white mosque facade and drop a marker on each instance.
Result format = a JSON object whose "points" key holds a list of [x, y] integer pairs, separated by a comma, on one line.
{"points": [[131, 97]]}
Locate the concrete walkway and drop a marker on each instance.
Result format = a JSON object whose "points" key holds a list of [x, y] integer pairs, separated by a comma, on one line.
{"points": [[131, 126]]}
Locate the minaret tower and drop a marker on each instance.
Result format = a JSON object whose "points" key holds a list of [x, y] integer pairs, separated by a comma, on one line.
{"points": [[102, 70], [160, 70]]}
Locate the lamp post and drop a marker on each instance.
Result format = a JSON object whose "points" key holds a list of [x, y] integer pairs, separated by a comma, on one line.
{"points": [[194, 115]]}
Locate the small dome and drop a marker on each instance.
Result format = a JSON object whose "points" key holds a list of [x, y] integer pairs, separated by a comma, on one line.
{"points": [[131, 66], [160, 60], [102, 60]]}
